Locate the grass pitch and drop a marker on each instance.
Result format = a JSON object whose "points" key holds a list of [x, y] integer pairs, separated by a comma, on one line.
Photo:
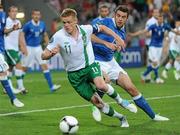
{"points": [[43, 110]]}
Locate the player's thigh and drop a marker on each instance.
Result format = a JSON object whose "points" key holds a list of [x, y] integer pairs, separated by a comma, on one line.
{"points": [[81, 84], [3, 65], [104, 66], [12, 57], [115, 70], [154, 54], [29, 59], [38, 54]]}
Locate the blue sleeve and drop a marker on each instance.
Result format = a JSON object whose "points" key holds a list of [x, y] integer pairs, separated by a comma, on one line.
{"points": [[95, 28], [44, 27], [168, 27], [151, 27], [25, 28]]}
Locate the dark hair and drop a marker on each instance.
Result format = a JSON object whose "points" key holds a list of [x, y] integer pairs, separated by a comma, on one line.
{"points": [[11, 7], [1, 6], [35, 10], [123, 8]]}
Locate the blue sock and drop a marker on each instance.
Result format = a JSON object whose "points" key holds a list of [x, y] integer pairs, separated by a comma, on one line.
{"points": [[8, 89], [156, 72], [142, 103], [47, 76], [148, 70]]}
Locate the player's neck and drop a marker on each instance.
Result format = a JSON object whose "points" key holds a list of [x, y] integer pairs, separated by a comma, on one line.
{"points": [[75, 33]]}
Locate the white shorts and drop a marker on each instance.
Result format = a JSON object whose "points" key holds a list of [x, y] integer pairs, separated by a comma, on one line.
{"points": [[34, 54], [154, 53], [111, 68], [3, 64]]}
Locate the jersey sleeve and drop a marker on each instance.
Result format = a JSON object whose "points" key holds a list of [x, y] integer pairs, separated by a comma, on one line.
{"points": [[90, 29], [168, 27], [44, 27], [54, 42], [8, 24], [150, 28], [20, 25], [147, 26], [25, 28]]}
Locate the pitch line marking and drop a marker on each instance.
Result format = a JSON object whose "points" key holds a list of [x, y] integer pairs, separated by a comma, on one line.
{"points": [[78, 106]]}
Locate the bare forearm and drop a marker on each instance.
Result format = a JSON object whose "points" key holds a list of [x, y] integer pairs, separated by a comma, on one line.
{"points": [[46, 38], [7, 31], [46, 54], [22, 41], [109, 32], [97, 40]]}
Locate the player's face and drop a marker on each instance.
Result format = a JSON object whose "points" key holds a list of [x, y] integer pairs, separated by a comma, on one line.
{"points": [[36, 15], [69, 23], [156, 13], [13, 13], [160, 19], [104, 12], [120, 18], [177, 24]]}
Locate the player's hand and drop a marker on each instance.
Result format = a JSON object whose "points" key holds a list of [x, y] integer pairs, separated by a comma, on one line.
{"points": [[120, 43], [111, 46], [16, 26], [24, 51], [55, 50]]}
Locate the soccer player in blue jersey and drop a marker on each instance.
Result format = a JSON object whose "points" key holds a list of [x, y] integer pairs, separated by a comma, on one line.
{"points": [[3, 65], [104, 47], [32, 35], [103, 13], [158, 31]]}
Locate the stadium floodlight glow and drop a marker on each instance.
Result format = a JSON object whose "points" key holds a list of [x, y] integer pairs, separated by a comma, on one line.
{"points": [[20, 15]]}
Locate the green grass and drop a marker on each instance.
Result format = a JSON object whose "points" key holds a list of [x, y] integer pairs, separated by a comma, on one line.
{"points": [[46, 123]]}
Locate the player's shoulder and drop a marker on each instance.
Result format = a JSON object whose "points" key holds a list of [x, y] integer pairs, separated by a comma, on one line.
{"points": [[59, 33], [42, 23], [28, 23]]}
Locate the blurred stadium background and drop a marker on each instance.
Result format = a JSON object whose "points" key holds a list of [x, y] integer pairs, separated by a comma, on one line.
{"points": [[140, 11]]}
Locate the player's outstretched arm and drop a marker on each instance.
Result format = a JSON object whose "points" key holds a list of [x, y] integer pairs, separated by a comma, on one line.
{"points": [[46, 38], [108, 31], [140, 32], [47, 54], [22, 44], [95, 39]]}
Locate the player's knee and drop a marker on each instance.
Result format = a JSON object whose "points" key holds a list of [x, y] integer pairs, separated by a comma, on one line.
{"points": [[96, 100], [101, 85]]}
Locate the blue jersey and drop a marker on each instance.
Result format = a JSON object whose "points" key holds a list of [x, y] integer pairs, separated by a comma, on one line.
{"points": [[101, 52], [157, 35], [34, 33], [2, 25]]}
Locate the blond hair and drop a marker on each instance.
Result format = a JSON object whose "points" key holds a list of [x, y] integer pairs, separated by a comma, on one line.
{"points": [[68, 12]]}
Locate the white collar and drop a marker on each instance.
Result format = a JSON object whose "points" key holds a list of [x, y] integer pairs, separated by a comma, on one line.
{"points": [[11, 19], [70, 34], [36, 24]]}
